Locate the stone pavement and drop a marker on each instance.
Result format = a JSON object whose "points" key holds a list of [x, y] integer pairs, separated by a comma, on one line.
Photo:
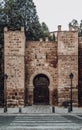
{"points": [[41, 118], [41, 109], [40, 122], [45, 122]]}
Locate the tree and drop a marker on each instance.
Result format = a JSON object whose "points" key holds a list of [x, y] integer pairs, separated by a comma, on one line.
{"points": [[45, 30], [52, 37], [75, 23], [45, 27], [80, 28], [17, 13], [14, 14]]}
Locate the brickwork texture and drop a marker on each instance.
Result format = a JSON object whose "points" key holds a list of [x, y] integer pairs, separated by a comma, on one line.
{"points": [[23, 60]]}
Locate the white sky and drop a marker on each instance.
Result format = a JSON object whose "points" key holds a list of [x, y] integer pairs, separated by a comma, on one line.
{"points": [[58, 12]]}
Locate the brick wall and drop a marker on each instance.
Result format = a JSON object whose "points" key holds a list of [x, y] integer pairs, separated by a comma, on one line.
{"points": [[24, 60], [80, 71], [67, 63], [14, 50], [41, 57]]}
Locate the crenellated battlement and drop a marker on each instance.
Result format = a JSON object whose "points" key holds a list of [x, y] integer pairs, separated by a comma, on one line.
{"points": [[70, 28], [25, 60]]}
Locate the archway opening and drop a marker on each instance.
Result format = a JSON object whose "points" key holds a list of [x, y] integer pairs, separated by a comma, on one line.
{"points": [[41, 90]]}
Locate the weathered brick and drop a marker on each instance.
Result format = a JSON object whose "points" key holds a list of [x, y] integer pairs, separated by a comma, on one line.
{"points": [[24, 60]]}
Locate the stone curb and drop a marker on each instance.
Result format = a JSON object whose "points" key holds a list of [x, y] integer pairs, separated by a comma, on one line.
{"points": [[50, 111]]}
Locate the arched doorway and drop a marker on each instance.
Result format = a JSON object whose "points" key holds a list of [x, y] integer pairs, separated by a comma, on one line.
{"points": [[41, 90]]}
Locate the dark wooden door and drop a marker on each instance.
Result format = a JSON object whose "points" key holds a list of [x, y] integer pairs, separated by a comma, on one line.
{"points": [[41, 91]]}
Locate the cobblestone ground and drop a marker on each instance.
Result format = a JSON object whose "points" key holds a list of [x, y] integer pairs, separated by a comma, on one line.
{"points": [[41, 122], [40, 118]]}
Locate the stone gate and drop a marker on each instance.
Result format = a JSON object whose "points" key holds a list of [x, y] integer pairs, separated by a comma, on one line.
{"points": [[50, 62]]}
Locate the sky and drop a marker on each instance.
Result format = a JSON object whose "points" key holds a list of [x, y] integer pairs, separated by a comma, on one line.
{"points": [[58, 12]]}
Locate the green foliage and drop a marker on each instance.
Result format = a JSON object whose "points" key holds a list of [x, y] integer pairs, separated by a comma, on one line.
{"points": [[80, 28], [17, 13], [52, 37], [75, 23], [45, 30]]}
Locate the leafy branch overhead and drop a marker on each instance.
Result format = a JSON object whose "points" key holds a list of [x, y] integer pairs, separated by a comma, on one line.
{"points": [[17, 13], [75, 23]]}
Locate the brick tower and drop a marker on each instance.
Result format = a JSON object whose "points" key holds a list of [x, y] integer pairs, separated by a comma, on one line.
{"points": [[14, 50]]}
